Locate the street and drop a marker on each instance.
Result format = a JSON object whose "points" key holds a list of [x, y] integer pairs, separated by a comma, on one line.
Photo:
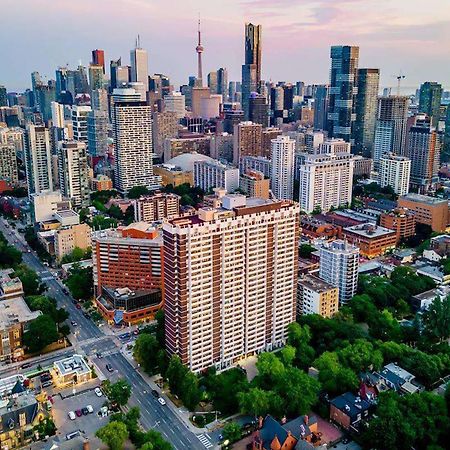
{"points": [[89, 339]]}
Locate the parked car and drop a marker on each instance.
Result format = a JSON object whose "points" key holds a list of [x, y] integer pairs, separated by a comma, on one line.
{"points": [[98, 392], [74, 324], [25, 366], [161, 401], [65, 291], [47, 384], [84, 411], [78, 306], [109, 368], [155, 393], [90, 409], [78, 412], [72, 415]]}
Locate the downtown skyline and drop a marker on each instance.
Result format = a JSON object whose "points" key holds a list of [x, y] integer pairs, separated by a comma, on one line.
{"points": [[296, 37]]}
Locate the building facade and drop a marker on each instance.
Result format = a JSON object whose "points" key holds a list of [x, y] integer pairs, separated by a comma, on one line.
{"points": [[282, 174], [8, 163], [247, 140], [316, 296], [158, 206], [213, 174], [395, 172]]}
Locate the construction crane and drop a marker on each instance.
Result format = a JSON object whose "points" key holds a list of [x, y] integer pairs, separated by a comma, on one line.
{"points": [[400, 77]]}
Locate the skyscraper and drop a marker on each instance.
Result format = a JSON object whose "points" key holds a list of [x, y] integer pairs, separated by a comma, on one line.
{"points": [[175, 102], [390, 128], [251, 70], [46, 94], [247, 140], [79, 122], [212, 82], [98, 58], [446, 148], [8, 163], [282, 176], [3, 96], [73, 170], [430, 100], [120, 75], [97, 132], [366, 111], [139, 65], [343, 78], [230, 277], [95, 77], [38, 159], [222, 83], [132, 128], [320, 107], [339, 263], [258, 109]]}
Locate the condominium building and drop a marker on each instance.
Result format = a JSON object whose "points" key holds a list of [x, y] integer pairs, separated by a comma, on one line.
{"points": [[247, 140], [38, 159], [362, 166], [127, 257], [430, 100], [267, 136], [71, 237], [211, 174], [165, 126], [326, 178], [258, 163], [80, 122], [8, 163], [401, 220], [158, 206], [427, 210], [395, 171], [254, 184], [73, 170], [222, 146], [339, 263], [372, 240], [316, 296], [282, 174], [177, 146], [97, 132], [101, 183], [230, 279], [132, 126], [44, 205], [175, 102]]}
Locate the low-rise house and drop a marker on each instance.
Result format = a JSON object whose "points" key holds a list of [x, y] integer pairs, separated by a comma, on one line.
{"points": [[431, 255], [434, 272], [71, 370], [9, 287], [441, 245], [348, 410], [422, 301], [404, 256], [398, 379]]}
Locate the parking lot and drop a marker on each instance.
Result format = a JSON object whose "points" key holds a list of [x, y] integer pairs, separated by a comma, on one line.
{"points": [[86, 424]]}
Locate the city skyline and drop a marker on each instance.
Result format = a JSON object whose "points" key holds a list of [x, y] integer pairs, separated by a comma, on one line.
{"points": [[298, 32]]}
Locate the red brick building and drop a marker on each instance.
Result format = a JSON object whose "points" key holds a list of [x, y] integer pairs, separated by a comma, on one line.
{"points": [[401, 220]]}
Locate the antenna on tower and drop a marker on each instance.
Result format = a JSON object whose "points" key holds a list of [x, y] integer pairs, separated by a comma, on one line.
{"points": [[400, 77], [139, 41]]}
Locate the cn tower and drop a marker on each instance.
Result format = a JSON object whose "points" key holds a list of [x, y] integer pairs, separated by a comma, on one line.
{"points": [[199, 50]]}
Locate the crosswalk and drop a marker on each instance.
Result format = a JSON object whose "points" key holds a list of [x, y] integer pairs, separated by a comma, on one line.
{"points": [[203, 438]]}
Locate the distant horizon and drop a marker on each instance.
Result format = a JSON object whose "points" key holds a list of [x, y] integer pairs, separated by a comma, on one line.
{"points": [[296, 37]]}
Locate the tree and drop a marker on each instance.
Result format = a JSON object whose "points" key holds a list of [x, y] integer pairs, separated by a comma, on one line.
{"points": [[155, 441], [119, 392], [77, 254], [299, 337], [115, 212], [305, 250], [436, 320], [160, 324], [175, 374], [47, 305], [100, 222], [255, 401], [41, 332], [145, 352], [384, 326], [360, 356], [287, 355], [362, 307], [30, 280], [190, 391], [138, 191], [9, 256], [232, 432], [80, 282], [113, 435], [270, 368]]}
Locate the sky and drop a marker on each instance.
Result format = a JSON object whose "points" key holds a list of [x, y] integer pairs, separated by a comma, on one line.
{"points": [[411, 36]]}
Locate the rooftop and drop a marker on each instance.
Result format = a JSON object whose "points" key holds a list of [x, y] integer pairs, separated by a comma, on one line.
{"points": [[418, 198], [14, 311], [369, 231], [315, 283], [350, 404], [186, 161], [74, 364], [7, 384]]}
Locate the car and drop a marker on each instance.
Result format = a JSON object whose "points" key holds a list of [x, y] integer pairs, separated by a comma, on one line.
{"points": [[98, 392], [78, 306], [74, 324], [84, 411], [65, 291], [90, 409], [25, 366], [46, 376], [161, 401], [72, 435], [74, 301], [85, 314], [155, 393], [78, 412], [99, 355], [29, 251], [72, 415], [109, 368]]}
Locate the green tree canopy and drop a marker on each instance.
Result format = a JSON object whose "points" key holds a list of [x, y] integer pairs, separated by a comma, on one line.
{"points": [[137, 191], [119, 392], [80, 282], [232, 432], [30, 280], [436, 320], [114, 435], [41, 332], [145, 352]]}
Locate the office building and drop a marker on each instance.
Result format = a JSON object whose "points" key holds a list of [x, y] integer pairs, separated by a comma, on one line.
{"points": [[258, 109], [8, 163], [175, 102], [427, 210], [362, 166], [73, 170], [372, 240], [158, 206], [321, 107], [366, 110], [212, 82], [222, 147], [395, 172], [46, 94], [430, 101], [391, 127], [95, 77], [254, 184], [342, 93], [258, 163], [127, 257], [139, 66], [401, 220], [222, 83], [282, 175], [193, 143], [424, 149], [97, 132], [316, 296], [98, 58], [326, 178], [120, 75], [38, 159], [3, 96], [165, 126], [446, 147], [214, 174], [197, 95], [231, 280], [44, 205], [100, 100], [70, 237], [339, 264], [247, 140], [132, 129], [79, 122]]}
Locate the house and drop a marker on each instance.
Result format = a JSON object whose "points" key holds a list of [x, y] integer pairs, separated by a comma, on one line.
{"points": [[348, 410], [292, 435], [71, 370], [398, 379], [431, 255], [404, 256], [432, 271], [421, 302]]}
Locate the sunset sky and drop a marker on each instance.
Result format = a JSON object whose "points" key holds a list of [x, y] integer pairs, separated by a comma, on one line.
{"points": [[408, 35]]}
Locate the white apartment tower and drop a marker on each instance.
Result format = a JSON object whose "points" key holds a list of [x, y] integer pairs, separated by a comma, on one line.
{"points": [[282, 168], [73, 170], [80, 122], [326, 178], [132, 128], [339, 263], [38, 159], [230, 277], [395, 172], [175, 102], [213, 174]]}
